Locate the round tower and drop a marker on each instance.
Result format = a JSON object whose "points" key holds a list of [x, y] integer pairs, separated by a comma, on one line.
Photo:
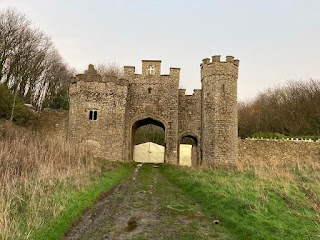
{"points": [[219, 114]]}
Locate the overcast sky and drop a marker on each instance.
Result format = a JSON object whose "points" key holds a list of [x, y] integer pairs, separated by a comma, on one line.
{"points": [[275, 40]]}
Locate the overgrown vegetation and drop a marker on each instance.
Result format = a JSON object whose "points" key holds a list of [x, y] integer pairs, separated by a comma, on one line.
{"points": [[109, 69], [11, 107], [45, 183], [156, 134], [30, 66], [269, 135], [269, 200], [150, 133], [291, 110], [60, 100]]}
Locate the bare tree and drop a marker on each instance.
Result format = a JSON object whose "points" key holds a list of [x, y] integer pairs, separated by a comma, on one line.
{"points": [[109, 69], [293, 109], [29, 64]]}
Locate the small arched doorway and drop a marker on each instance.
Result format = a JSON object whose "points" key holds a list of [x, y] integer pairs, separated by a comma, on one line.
{"points": [[188, 151], [148, 141]]}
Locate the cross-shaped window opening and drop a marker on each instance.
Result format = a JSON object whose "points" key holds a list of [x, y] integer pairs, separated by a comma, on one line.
{"points": [[150, 70]]}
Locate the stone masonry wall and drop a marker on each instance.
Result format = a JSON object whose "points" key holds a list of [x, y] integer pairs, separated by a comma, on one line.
{"points": [[190, 114], [88, 92], [155, 97], [290, 152], [190, 120]]}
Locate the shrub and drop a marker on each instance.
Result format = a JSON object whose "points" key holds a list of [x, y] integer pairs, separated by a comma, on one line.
{"points": [[20, 114], [58, 101], [269, 135]]}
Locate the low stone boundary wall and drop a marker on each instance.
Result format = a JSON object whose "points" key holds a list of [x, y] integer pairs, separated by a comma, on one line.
{"points": [[286, 150]]}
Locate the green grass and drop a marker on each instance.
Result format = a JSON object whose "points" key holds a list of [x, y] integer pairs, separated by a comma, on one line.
{"points": [[271, 135], [75, 202], [250, 207], [175, 203]]}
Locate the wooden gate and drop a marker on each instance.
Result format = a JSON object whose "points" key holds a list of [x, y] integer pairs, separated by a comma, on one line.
{"points": [[148, 152], [185, 155]]}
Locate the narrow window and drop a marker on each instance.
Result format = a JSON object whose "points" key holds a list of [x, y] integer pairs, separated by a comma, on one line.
{"points": [[149, 90], [223, 89], [93, 115]]}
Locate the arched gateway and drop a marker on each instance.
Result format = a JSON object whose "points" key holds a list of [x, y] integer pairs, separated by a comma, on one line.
{"points": [[147, 152], [105, 112]]}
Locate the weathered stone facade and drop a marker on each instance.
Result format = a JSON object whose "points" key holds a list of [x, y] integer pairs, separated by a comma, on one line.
{"points": [[105, 113], [282, 151]]}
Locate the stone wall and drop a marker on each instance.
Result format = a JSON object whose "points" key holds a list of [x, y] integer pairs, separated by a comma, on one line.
{"points": [[153, 98], [288, 151], [89, 95], [190, 114], [190, 121]]}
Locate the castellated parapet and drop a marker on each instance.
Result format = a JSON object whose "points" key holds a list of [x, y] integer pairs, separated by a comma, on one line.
{"points": [[105, 113]]}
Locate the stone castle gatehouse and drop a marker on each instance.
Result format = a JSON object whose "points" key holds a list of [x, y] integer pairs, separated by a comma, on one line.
{"points": [[105, 112]]}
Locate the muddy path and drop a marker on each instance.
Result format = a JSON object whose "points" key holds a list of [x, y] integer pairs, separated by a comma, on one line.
{"points": [[146, 206]]}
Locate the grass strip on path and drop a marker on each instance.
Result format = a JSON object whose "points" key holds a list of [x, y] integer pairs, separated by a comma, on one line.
{"points": [[145, 207], [250, 207], [78, 201]]}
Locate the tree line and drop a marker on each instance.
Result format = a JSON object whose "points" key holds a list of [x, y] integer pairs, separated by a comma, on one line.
{"points": [[30, 66], [290, 110]]}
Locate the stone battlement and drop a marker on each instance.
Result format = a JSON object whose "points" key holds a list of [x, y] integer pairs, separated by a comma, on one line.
{"points": [[216, 67], [216, 59], [150, 68], [118, 81], [91, 75], [196, 92]]}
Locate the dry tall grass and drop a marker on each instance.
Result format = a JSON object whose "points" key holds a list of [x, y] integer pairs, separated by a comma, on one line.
{"points": [[32, 168], [300, 175]]}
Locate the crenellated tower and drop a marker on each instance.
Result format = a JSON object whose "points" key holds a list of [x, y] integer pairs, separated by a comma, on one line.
{"points": [[219, 117]]}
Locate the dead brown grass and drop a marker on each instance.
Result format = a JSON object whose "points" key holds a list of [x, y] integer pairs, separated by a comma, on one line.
{"points": [[31, 169], [301, 175], [287, 171]]}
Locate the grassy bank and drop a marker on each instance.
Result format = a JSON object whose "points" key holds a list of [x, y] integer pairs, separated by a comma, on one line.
{"points": [[257, 201], [74, 202], [45, 183]]}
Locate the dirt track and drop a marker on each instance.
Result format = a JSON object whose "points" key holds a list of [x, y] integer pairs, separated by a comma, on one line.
{"points": [[146, 206]]}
